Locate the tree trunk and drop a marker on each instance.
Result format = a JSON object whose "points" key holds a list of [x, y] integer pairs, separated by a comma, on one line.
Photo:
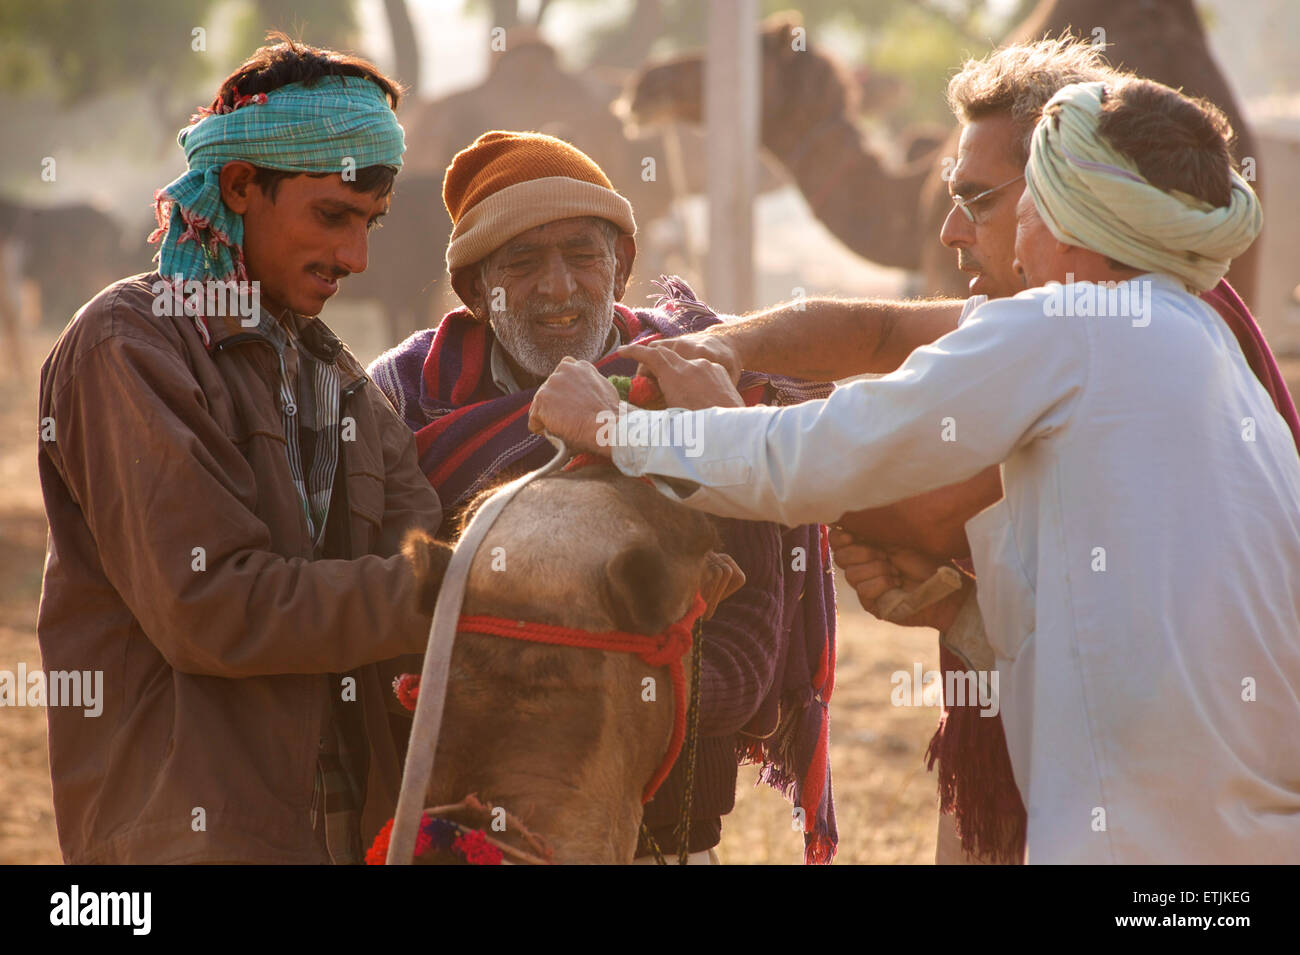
{"points": [[406, 52]]}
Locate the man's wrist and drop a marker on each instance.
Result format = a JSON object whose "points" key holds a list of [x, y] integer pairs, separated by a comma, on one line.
{"points": [[732, 338]]}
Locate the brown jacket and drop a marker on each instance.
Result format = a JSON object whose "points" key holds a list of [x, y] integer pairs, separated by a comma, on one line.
{"points": [[216, 663]]}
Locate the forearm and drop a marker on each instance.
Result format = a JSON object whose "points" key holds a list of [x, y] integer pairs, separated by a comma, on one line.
{"points": [[934, 522], [326, 616], [950, 412], [831, 339], [870, 444]]}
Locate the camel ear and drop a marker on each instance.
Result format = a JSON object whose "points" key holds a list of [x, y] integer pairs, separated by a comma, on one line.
{"points": [[428, 558], [722, 577], [635, 590], [781, 25]]}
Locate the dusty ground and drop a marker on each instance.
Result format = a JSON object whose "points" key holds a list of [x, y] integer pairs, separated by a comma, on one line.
{"points": [[885, 801], [884, 798], [26, 815]]}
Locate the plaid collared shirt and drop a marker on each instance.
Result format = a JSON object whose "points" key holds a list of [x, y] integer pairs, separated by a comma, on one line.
{"points": [[309, 391]]}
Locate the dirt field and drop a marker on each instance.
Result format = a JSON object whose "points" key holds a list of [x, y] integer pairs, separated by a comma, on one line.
{"points": [[884, 798], [26, 815]]}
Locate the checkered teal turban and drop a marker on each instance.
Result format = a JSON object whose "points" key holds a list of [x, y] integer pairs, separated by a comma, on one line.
{"points": [[332, 124]]}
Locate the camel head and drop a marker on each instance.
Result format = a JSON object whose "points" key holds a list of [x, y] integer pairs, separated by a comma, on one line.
{"points": [[893, 216], [565, 739], [802, 87]]}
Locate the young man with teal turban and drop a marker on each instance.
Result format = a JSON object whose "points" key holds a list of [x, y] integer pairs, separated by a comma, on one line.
{"points": [[227, 493]]}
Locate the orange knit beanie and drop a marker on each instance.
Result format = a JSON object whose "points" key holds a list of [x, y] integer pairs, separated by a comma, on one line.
{"points": [[506, 183]]}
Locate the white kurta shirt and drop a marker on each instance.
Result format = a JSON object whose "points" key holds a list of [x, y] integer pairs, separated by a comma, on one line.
{"points": [[1140, 581]]}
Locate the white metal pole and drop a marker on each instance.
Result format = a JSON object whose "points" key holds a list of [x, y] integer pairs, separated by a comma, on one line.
{"points": [[731, 114]]}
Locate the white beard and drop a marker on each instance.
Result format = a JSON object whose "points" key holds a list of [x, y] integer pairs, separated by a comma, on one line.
{"points": [[515, 333]]}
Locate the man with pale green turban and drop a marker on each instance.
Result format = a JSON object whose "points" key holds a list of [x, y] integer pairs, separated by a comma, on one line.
{"points": [[1091, 195], [227, 493], [1137, 580]]}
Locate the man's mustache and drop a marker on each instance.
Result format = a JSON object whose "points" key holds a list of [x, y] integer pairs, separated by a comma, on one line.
{"points": [[967, 262], [581, 307]]}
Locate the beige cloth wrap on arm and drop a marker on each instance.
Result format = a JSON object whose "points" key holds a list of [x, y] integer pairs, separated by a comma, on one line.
{"points": [[965, 638]]}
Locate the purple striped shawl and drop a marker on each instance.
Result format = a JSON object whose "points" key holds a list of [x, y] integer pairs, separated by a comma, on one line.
{"points": [[469, 437]]}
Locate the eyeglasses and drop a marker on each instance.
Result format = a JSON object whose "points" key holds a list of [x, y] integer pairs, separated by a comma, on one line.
{"points": [[965, 204]]}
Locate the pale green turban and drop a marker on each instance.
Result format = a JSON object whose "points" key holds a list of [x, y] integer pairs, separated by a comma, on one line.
{"points": [[1091, 195], [333, 124]]}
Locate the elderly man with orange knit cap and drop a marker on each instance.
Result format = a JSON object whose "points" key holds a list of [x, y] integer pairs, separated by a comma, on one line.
{"points": [[541, 249]]}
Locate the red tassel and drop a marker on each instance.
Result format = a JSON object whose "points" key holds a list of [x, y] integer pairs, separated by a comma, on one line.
{"points": [[407, 688], [976, 782], [819, 850], [645, 393], [378, 851], [476, 849]]}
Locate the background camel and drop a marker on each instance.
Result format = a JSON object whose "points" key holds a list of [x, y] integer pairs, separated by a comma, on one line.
{"points": [[891, 213], [66, 253], [562, 737], [526, 89]]}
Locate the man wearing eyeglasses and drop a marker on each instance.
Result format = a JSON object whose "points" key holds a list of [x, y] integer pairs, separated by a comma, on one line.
{"points": [[900, 546], [998, 100]]}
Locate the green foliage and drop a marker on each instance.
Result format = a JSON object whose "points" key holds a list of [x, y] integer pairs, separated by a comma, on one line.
{"points": [[921, 51], [915, 43], [622, 384], [83, 49]]}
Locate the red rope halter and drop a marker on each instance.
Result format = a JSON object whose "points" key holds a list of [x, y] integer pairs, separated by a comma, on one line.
{"points": [[662, 649]]}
